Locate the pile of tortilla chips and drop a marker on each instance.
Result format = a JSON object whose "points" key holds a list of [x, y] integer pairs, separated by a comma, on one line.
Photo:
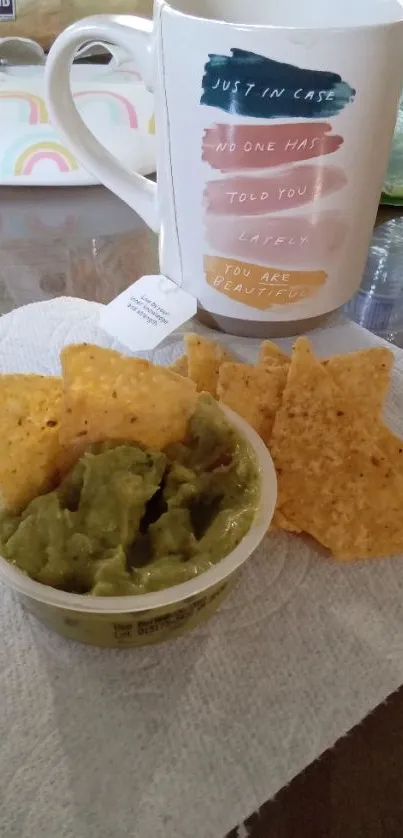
{"points": [[47, 422], [339, 467]]}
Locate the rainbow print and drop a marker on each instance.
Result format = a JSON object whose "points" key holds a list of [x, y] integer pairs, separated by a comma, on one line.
{"points": [[22, 157], [32, 155], [32, 109], [121, 110], [151, 125]]}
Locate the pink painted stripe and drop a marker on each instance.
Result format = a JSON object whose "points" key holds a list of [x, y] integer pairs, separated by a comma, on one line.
{"points": [[295, 241], [234, 147], [294, 187]]}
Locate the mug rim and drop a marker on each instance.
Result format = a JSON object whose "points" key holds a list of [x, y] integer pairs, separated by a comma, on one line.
{"points": [[272, 27]]}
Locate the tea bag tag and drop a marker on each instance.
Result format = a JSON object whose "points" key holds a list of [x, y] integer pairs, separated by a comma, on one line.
{"points": [[147, 312]]}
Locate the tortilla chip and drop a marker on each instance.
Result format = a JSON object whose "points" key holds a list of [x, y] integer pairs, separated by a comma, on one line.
{"points": [[112, 397], [281, 521], [29, 436], [204, 360], [364, 376], [180, 366], [253, 392], [269, 353], [333, 481]]}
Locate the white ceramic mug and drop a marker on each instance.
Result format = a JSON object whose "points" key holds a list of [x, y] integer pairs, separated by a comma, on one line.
{"points": [[273, 126]]}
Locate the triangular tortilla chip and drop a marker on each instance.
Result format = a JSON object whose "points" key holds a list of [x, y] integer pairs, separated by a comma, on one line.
{"points": [[180, 366], [29, 436], [270, 353], [110, 396], [364, 376], [334, 483], [204, 359], [253, 392]]}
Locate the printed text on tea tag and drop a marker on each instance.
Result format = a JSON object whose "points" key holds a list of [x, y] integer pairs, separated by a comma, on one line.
{"points": [[147, 312]]}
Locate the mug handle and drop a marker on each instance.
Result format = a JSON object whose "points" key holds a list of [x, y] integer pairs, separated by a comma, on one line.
{"points": [[134, 36]]}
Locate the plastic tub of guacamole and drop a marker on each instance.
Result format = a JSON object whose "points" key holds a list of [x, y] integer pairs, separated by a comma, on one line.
{"points": [[142, 619]]}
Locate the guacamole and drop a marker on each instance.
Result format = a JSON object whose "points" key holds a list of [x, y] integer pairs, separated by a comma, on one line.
{"points": [[127, 520]]}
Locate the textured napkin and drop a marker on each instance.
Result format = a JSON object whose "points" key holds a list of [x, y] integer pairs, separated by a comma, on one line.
{"points": [[189, 738]]}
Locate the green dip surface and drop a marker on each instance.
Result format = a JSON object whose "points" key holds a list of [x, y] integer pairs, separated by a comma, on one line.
{"points": [[126, 520]]}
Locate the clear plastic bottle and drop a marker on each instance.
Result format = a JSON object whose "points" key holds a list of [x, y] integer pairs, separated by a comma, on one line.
{"points": [[378, 304]]}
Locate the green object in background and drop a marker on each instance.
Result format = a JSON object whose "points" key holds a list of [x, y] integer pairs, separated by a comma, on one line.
{"points": [[393, 187]]}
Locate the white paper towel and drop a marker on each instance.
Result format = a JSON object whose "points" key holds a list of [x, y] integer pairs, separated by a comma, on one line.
{"points": [[189, 738]]}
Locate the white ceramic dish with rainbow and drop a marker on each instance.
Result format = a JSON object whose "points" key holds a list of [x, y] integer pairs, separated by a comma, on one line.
{"points": [[114, 103]]}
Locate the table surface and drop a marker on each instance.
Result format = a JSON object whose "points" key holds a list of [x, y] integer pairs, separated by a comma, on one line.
{"points": [[86, 243]]}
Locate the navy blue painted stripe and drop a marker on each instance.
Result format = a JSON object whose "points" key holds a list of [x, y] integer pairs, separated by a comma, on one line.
{"points": [[251, 85]]}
